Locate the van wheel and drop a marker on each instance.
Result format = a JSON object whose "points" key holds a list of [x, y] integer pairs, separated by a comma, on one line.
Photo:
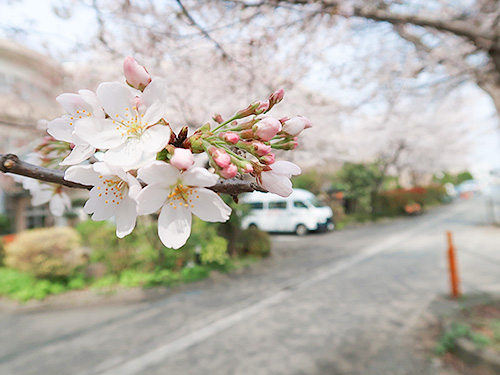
{"points": [[301, 230], [253, 226]]}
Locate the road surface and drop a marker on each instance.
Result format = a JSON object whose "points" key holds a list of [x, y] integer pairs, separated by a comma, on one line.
{"points": [[348, 302]]}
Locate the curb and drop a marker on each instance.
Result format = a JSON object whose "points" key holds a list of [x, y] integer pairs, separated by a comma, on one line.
{"points": [[468, 352]]}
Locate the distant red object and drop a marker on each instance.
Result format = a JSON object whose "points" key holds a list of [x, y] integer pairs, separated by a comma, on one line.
{"points": [[8, 238]]}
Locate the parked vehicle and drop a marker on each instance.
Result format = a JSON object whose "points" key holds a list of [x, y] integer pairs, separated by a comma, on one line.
{"points": [[299, 213]]}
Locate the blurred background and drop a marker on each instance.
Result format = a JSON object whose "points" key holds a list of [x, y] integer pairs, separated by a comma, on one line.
{"points": [[404, 97]]}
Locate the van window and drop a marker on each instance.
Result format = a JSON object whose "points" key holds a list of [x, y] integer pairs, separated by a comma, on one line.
{"points": [[299, 204], [256, 205], [277, 205]]}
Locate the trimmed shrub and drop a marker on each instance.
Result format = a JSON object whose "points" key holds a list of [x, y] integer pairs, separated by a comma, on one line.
{"points": [[45, 252]]}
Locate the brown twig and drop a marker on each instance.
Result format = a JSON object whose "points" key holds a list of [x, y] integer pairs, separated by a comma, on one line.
{"points": [[10, 163]]}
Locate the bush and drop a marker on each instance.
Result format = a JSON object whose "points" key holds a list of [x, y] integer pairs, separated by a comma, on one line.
{"points": [[394, 202], [254, 242], [140, 249], [5, 225], [45, 252]]}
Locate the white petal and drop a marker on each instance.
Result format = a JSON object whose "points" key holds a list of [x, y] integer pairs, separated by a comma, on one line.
{"points": [[174, 226], [105, 169], [42, 196], [91, 98], [277, 184], [83, 174], [98, 206], [151, 198], [61, 129], [73, 103], [197, 176], [127, 155], [57, 205], [100, 133], [286, 168], [134, 186], [155, 138], [209, 206], [159, 172], [154, 98], [116, 99], [126, 217], [79, 154]]}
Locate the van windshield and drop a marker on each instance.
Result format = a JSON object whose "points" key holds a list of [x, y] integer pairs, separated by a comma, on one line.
{"points": [[316, 202]]}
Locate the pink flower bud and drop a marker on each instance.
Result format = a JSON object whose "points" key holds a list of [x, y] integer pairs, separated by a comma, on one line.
{"points": [[277, 96], [261, 149], [218, 118], [183, 158], [267, 128], [230, 137], [220, 157], [136, 75], [229, 171], [247, 168], [263, 106], [268, 159], [295, 125], [284, 119]]}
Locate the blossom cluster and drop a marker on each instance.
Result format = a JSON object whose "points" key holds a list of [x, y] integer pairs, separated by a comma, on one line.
{"points": [[117, 140]]}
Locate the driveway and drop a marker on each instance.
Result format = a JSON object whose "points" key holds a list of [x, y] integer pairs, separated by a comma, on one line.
{"points": [[348, 302]]}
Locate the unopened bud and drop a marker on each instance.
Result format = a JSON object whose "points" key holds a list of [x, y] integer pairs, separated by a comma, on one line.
{"points": [[182, 159], [267, 128], [296, 125], [276, 97], [218, 118], [220, 157], [261, 149], [268, 159], [263, 107], [230, 137], [229, 171], [136, 75], [250, 110]]}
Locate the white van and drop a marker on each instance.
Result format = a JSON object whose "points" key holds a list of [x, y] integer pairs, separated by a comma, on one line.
{"points": [[300, 212]]}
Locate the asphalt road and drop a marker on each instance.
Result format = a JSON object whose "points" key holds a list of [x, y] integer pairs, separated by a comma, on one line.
{"points": [[348, 302]]}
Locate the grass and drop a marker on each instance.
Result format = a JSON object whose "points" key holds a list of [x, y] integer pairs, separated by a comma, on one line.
{"points": [[480, 324], [23, 287]]}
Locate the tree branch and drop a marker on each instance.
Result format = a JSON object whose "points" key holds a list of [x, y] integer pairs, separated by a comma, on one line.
{"points": [[10, 163], [456, 27]]}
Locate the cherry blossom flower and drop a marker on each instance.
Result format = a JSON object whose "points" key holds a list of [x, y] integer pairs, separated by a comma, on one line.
{"points": [[179, 194], [112, 195], [131, 134], [58, 200], [79, 106], [277, 178]]}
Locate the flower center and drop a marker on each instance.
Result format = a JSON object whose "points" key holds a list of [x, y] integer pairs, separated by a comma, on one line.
{"points": [[114, 189], [182, 196], [131, 125]]}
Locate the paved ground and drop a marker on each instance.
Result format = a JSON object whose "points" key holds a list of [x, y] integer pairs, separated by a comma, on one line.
{"points": [[352, 302]]}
